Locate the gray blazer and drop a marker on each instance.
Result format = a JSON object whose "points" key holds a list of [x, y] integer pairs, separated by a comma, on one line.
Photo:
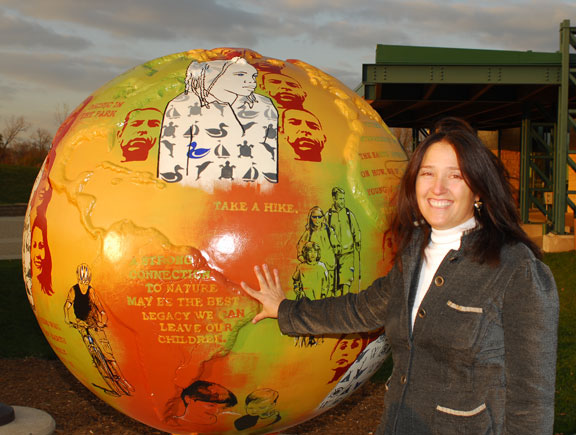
{"points": [[482, 356]]}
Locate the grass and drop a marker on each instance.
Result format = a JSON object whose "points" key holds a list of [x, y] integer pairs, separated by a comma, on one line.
{"points": [[19, 180], [563, 266], [21, 336]]}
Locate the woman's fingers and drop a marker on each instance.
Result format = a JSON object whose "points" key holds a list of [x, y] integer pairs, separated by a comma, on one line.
{"points": [[258, 317], [265, 279], [270, 294], [268, 276], [260, 276], [249, 290]]}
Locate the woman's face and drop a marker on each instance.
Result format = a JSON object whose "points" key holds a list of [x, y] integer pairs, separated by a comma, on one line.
{"points": [[316, 218], [238, 79], [38, 251], [347, 350], [444, 198]]}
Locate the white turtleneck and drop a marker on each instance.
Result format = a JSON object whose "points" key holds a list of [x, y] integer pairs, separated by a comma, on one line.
{"points": [[441, 242]]}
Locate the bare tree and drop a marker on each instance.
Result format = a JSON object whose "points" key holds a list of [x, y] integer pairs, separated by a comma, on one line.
{"points": [[61, 113], [13, 127], [31, 151], [41, 139]]}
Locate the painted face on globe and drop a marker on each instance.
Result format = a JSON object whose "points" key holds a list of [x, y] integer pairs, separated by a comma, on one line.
{"points": [[316, 218], [346, 351], [140, 133], [339, 200], [238, 79], [263, 408], [311, 255], [38, 251], [285, 90], [304, 133]]}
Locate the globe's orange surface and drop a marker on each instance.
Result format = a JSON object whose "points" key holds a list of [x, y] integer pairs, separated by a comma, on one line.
{"points": [[161, 192]]}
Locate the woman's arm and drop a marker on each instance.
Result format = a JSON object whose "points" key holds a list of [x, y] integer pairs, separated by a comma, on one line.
{"points": [[364, 311], [530, 336]]}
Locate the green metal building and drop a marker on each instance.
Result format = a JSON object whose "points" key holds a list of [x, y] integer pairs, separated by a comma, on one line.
{"points": [[412, 87]]}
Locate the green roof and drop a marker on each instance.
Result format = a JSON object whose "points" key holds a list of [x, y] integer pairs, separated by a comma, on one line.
{"points": [[418, 55]]}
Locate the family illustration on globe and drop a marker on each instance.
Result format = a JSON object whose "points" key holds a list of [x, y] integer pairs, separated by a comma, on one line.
{"points": [[329, 254], [329, 251]]}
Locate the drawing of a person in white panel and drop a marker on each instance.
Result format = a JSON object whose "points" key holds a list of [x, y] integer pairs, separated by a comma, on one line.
{"points": [[218, 131]]}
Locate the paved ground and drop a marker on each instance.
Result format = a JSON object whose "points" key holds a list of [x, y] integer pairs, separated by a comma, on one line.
{"points": [[11, 237]]}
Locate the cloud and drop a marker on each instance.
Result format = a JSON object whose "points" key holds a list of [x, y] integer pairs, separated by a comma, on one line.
{"points": [[151, 19], [352, 36], [7, 90], [76, 45], [73, 73], [502, 24], [513, 24], [23, 33]]}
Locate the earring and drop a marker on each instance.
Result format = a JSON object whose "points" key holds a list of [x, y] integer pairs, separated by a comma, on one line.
{"points": [[478, 205]]}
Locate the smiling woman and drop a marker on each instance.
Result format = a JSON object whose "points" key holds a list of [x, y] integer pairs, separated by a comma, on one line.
{"points": [[475, 347], [443, 196]]}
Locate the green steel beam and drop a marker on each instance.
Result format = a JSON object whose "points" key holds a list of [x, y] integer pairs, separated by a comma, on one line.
{"points": [[463, 74], [565, 124], [536, 172], [418, 55]]}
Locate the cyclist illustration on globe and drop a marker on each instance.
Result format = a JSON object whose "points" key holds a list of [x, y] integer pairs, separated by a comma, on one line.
{"points": [[83, 311]]}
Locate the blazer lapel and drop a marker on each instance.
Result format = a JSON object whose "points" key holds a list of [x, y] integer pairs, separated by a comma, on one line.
{"points": [[411, 260]]}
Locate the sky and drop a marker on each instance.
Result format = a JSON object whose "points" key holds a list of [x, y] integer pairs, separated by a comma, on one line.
{"points": [[54, 53]]}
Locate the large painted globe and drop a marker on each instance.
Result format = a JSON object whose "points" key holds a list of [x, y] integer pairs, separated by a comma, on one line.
{"points": [[161, 192]]}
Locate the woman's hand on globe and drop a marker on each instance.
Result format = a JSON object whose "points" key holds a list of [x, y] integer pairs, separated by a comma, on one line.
{"points": [[270, 294]]}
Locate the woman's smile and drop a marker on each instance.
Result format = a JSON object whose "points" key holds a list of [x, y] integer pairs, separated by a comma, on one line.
{"points": [[444, 198]]}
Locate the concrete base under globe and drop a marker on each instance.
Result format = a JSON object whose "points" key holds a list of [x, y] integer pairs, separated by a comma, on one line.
{"points": [[29, 421]]}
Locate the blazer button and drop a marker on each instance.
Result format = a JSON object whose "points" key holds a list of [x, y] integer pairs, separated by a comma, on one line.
{"points": [[439, 281], [421, 313], [402, 379]]}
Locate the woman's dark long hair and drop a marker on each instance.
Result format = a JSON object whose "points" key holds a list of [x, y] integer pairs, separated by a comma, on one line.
{"points": [[486, 177]]}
